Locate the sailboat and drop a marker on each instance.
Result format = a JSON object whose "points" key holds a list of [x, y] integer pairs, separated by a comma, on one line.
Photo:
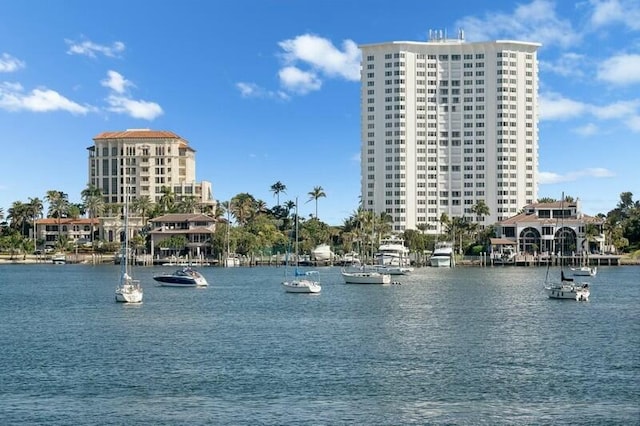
{"points": [[302, 282], [567, 288], [128, 290]]}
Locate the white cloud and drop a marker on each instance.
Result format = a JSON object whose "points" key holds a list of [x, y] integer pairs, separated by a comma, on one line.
{"points": [[321, 55], [10, 64], [252, 90], [612, 12], [568, 64], [551, 177], [616, 110], [116, 82], [634, 123], [120, 102], [555, 107], [620, 69], [136, 109], [536, 22], [589, 129], [13, 98], [90, 49], [298, 81]]}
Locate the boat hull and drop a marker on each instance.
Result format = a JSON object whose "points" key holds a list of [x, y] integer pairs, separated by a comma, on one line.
{"points": [[129, 293], [441, 261], [579, 293], [584, 272], [395, 270], [366, 278], [185, 277], [301, 286]]}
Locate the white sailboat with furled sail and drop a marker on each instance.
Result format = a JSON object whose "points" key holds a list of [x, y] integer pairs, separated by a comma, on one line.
{"points": [[302, 281], [128, 290], [567, 288]]}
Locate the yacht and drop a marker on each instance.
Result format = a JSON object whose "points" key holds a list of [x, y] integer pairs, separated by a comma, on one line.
{"points": [[183, 277], [442, 256], [322, 253], [393, 252]]}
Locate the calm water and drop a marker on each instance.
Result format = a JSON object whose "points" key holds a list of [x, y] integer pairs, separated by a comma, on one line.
{"points": [[460, 346]]}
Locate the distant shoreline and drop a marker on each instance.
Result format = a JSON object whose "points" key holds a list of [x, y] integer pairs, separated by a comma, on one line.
{"points": [[99, 259]]}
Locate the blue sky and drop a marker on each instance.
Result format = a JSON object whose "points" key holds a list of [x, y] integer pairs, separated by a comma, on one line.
{"points": [[268, 91]]}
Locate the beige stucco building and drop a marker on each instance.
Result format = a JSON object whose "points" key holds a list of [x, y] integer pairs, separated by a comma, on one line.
{"points": [[141, 162]]}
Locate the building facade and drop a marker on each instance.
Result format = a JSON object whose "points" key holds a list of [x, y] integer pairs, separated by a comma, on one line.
{"points": [[143, 162], [445, 124], [197, 230], [553, 228]]}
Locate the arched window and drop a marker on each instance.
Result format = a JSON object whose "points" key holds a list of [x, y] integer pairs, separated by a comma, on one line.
{"points": [[565, 241], [529, 240]]}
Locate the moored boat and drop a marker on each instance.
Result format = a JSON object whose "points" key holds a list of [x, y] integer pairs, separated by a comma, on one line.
{"points": [[183, 277], [585, 271], [442, 255], [364, 276]]}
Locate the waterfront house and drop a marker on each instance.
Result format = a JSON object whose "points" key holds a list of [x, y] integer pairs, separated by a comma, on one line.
{"points": [[552, 228], [196, 228]]}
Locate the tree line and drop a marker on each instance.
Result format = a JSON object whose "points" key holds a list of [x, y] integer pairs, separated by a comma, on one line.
{"points": [[257, 229]]}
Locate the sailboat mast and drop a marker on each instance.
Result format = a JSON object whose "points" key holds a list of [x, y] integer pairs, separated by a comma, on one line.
{"points": [[296, 232]]}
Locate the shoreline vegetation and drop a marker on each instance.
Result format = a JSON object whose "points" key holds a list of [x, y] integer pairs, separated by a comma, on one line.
{"points": [[632, 259]]}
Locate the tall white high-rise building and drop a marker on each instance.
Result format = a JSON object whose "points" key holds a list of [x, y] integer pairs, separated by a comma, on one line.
{"points": [[445, 124], [144, 162]]}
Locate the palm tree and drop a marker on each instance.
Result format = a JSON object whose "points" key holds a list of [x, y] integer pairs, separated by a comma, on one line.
{"points": [[167, 200], [93, 203], [142, 205], [480, 209], [58, 206], [242, 207], [19, 215], [317, 192], [188, 204], [35, 210], [277, 188]]}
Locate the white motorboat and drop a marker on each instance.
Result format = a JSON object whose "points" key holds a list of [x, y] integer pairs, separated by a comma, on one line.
{"points": [[302, 283], [231, 262], [442, 255], [59, 259], [395, 270], [393, 252], [322, 253], [364, 276], [350, 259], [585, 271], [128, 290], [183, 277]]}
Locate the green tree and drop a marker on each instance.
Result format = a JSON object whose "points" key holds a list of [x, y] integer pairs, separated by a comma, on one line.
{"points": [[58, 206], [315, 194], [142, 205], [187, 204], [167, 200], [19, 215], [243, 208], [278, 188]]}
